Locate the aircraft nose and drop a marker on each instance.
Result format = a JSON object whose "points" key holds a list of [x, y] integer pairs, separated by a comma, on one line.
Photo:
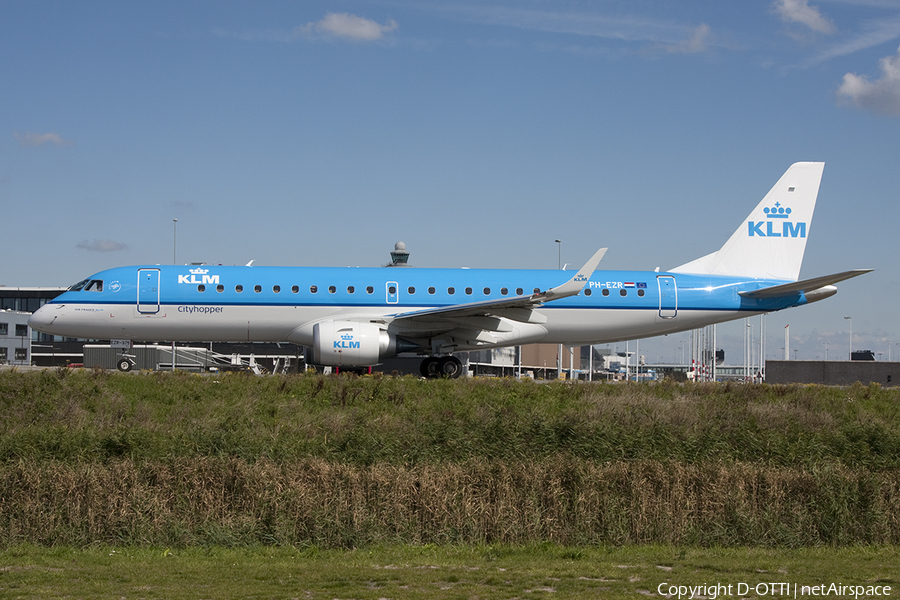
{"points": [[42, 319]]}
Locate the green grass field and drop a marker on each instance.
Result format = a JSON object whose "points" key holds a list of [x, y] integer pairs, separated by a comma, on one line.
{"points": [[95, 416], [169, 485], [532, 571]]}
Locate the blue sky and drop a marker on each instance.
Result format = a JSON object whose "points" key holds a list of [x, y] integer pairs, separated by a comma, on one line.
{"points": [[320, 133]]}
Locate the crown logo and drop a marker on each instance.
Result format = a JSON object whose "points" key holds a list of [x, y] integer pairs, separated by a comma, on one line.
{"points": [[777, 212], [199, 271], [347, 337]]}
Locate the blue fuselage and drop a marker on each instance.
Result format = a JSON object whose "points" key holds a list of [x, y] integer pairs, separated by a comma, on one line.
{"points": [[221, 303]]}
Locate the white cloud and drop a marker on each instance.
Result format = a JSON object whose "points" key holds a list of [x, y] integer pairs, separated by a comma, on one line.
{"points": [[347, 26], [696, 43], [101, 246], [626, 28], [871, 33], [656, 35], [39, 139], [799, 11], [881, 96]]}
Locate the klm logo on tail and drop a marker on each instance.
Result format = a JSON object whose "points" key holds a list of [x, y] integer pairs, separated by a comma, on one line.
{"points": [[771, 229]]}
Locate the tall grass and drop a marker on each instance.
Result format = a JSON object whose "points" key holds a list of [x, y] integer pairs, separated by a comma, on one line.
{"points": [[177, 459], [217, 501]]}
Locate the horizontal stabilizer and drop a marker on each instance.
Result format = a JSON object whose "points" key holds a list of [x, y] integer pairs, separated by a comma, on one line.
{"points": [[804, 286]]}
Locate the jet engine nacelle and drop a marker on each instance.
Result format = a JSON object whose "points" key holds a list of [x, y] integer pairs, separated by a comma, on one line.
{"points": [[350, 344]]}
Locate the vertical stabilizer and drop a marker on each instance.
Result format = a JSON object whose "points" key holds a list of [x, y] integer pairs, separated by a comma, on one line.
{"points": [[769, 244]]}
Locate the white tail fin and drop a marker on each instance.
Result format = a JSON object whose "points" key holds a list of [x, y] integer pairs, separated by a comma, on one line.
{"points": [[770, 243]]}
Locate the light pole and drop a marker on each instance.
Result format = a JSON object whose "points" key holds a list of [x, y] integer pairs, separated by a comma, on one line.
{"points": [[174, 262], [850, 323], [558, 347], [174, 240], [747, 359], [826, 351]]}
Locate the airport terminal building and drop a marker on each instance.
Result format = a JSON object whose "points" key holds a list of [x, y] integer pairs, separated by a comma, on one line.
{"points": [[15, 338]]}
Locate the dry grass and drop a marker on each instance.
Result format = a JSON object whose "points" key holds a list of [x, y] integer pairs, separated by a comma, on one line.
{"points": [[563, 500]]}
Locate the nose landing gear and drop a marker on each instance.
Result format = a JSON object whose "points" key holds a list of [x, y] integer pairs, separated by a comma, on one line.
{"points": [[125, 362], [434, 367]]}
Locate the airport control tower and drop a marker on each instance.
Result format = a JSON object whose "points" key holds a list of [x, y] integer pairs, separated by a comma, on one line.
{"points": [[399, 256]]}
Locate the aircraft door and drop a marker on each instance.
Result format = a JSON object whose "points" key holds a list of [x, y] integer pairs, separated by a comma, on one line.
{"points": [[668, 296], [148, 291], [392, 292]]}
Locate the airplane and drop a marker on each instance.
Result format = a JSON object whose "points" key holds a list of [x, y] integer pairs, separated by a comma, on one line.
{"points": [[357, 317]]}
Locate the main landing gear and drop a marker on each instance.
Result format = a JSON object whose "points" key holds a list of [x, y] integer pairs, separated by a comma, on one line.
{"points": [[434, 367]]}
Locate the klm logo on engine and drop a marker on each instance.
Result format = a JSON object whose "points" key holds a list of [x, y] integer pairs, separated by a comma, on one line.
{"points": [[345, 343], [199, 276], [770, 228]]}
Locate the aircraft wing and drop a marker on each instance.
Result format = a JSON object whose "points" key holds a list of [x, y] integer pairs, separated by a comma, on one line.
{"points": [[518, 308], [802, 286]]}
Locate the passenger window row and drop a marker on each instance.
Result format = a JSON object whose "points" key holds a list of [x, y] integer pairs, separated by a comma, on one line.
{"points": [[622, 292], [411, 290]]}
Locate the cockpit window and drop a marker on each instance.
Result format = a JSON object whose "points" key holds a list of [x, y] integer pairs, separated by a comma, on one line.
{"points": [[88, 285]]}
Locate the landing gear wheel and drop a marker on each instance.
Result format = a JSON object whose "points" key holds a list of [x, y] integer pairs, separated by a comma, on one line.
{"points": [[429, 367], [449, 367], [124, 365]]}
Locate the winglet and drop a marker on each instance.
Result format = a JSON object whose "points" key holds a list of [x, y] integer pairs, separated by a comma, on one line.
{"points": [[573, 286]]}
